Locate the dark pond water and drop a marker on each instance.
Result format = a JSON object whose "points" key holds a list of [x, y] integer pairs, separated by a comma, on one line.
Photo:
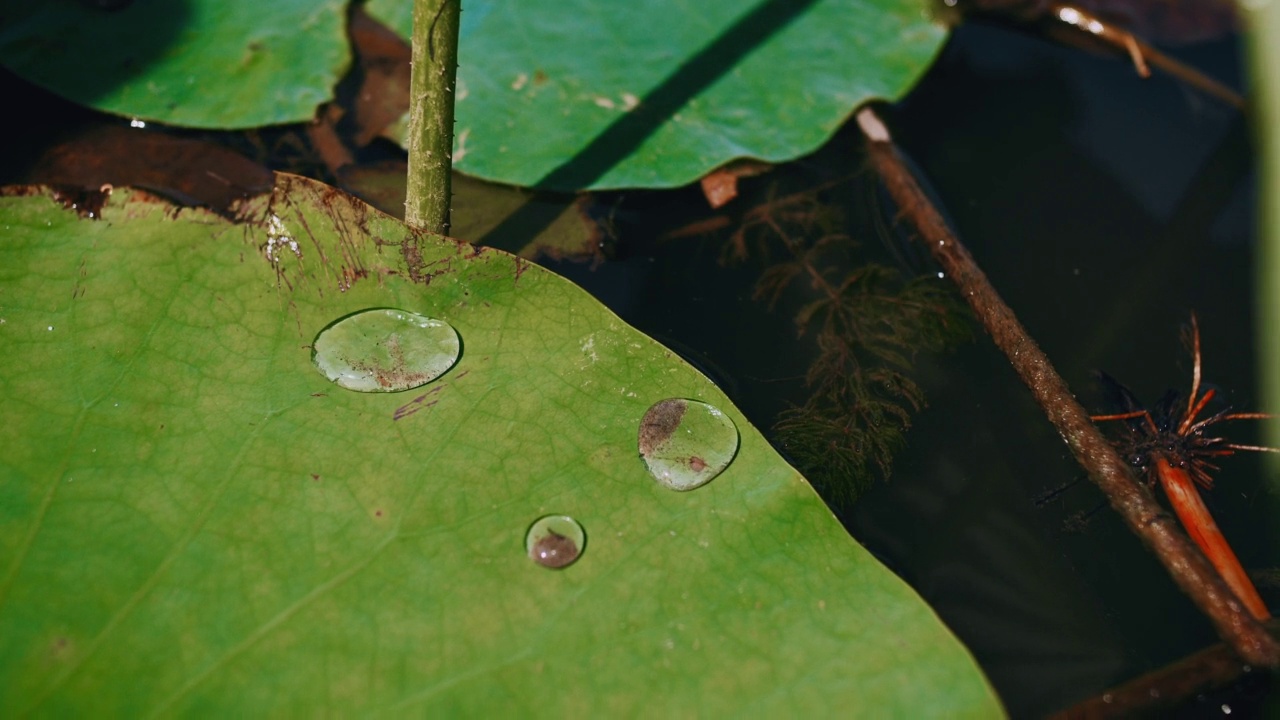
{"points": [[1105, 209]]}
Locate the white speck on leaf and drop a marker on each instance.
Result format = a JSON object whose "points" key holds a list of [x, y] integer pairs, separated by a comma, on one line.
{"points": [[460, 144], [277, 237]]}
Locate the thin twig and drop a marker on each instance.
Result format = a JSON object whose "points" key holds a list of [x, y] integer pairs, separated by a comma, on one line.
{"points": [[1187, 566], [1142, 54]]}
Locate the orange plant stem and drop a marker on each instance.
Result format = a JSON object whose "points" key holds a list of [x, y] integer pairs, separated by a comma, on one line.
{"points": [[1187, 504]]}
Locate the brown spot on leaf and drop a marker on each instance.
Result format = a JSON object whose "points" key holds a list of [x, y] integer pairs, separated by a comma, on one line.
{"points": [[659, 423], [61, 648], [350, 276], [417, 404], [87, 203], [421, 271]]}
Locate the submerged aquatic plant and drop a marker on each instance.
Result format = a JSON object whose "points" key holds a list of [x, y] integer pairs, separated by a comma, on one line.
{"points": [[869, 321]]}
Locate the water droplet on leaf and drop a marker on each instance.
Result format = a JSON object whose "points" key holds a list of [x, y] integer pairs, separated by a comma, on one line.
{"points": [[385, 350], [686, 443], [555, 541]]}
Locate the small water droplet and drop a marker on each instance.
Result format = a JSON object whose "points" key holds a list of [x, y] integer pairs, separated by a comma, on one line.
{"points": [[555, 541], [385, 350], [686, 443]]}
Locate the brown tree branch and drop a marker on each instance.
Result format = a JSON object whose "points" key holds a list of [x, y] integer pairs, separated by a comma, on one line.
{"points": [[1135, 503], [1072, 24]]}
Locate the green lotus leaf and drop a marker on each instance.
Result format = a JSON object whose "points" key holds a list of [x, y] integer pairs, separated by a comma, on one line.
{"points": [[195, 520], [198, 63], [562, 95], [572, 94]]}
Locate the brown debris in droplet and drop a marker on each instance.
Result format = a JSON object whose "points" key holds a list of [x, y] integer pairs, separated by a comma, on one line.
{"points": [[395, 375], [418, 403], [659, 423], [554, 550], [697, 464]]}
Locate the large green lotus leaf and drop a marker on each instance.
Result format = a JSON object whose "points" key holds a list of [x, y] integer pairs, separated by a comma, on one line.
{"points": [[202, 63], [572, 94], [564, 95], [194, 520]]}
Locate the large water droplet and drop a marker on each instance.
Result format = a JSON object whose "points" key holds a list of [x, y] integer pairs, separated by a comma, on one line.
{"points": [[555, 541], [385, 350], [686, 443]]}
